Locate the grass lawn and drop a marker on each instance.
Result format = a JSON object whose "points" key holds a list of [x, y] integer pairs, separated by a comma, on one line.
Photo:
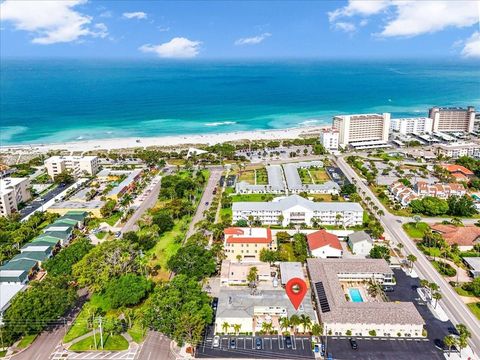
{"points": [[287, 249], [325, 198], [252, 197], [3, 353], [26, 340], [115, 342], [462, 292], [167, 246], [475, 309], [179, 162], [304, 176], [137, 332], [101, 234], [112, 220], [248, 176], [225, 211], [415, 230], [319, 175], [262, 177]]}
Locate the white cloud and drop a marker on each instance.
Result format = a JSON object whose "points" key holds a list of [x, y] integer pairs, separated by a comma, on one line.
{"points": [[253, 40], [51, 21], [163, 28], [405, 18], [135, 15], [421, 17], [358, 7], [106, 14], [345, 26], [363, 22], [472, 46], [179, 47]]}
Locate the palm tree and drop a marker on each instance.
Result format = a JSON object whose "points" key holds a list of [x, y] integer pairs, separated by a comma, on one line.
{"points": [[294, 322], [463, 338], [449, 341], [424, 283], [317, 329], [411, 259], [225, 327], [306, 322], [284, 323], [267, 327], [436, 296], [236, 328]]}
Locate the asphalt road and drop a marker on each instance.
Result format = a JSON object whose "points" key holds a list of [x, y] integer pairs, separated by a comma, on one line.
{"points": [[148, 203], [155, 347], [36, 204], [456, 310], [215, 173]]}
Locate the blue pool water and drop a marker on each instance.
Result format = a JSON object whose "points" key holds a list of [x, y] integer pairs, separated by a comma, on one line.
{"points": [[355, 295]]}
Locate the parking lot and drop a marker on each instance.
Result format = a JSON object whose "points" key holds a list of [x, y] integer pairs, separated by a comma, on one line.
{"points": [[273, 348], [37, 203]]}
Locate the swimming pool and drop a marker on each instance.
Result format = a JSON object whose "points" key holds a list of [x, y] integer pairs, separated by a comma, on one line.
{"points": [[355, 295]]}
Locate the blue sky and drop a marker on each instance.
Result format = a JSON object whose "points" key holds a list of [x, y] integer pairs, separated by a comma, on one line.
{"points": [[216, 29]]}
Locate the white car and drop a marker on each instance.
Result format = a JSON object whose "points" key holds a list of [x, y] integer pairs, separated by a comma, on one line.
{"points": [[216, 341]]}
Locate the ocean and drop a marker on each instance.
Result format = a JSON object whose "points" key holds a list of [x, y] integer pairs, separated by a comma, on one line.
{"points": [[58, 100]]}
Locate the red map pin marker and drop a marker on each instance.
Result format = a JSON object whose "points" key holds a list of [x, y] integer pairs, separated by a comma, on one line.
{"points": [[296, 289]]}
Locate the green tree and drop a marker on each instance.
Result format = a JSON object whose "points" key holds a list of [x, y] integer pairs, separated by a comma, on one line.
{"points": [[284, 323], [104, 262], [449, 342], [300, 249], [317, 329], [380, 252], [40, 304], [411, 260], [164, 222], [268, 256], [108, 208], [127, 290], [306, 322], [172, 304], [294, 322], [225, 327], [65, 177], [252, 276], [348, 189], [62, 263], [436, 296], [194, 261], [461, 206]]}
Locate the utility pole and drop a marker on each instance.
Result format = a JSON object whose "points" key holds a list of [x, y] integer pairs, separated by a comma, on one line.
{"points": [[101, 331], [326, 339], [94, 336]]}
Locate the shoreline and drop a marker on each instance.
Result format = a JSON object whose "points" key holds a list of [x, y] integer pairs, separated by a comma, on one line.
{"points": [[168, 141]]}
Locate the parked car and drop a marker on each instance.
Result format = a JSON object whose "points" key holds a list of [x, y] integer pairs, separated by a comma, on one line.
{"points": [[258, 343], [353, 344], [388, 289], [233, 344], [288, 342], [322, 350], [216, 341]]}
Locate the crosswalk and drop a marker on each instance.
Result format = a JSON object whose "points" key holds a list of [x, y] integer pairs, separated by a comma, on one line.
{"points": [[60, 354]]}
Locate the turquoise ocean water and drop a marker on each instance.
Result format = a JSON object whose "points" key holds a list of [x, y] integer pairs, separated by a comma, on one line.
{"points": [[44, 101]]}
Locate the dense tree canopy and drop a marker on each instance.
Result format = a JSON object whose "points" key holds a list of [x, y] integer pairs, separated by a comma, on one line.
{"points": [[461, 206], [62, 263], [64, 177], [144, 240], [380, 252], [429, 205], [127, 290], [39, 305], [180, 309], [348, 189], [108, 208], [300, 249], [164, 222], [194, 261], [106, 261]]}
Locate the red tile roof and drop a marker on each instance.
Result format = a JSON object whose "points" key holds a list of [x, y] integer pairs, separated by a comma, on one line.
{"points": [[462, 235], [457, 168], [322, 238]]}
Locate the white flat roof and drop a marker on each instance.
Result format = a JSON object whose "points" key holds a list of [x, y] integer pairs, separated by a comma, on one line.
{"points": [[7, 292]]}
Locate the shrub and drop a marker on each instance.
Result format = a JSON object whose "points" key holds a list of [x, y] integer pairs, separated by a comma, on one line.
{"points": [[349, 333], [372, 333]]}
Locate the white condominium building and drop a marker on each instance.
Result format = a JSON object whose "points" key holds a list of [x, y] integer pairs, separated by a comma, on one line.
{"points": [[452, 118], [77, 165], [329, 138], [297, 210], [418, 125], [362, 128], [13, 191], [456, 150]]}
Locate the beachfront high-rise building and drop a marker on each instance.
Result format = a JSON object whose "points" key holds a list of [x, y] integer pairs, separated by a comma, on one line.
{"points": [[13, 191], [76, 165], [329, 138], [452, 118], [362, 129], [417, 125]]}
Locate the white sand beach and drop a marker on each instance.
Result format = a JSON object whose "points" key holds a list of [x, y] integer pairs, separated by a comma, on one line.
{"points": [[167, 141]]}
